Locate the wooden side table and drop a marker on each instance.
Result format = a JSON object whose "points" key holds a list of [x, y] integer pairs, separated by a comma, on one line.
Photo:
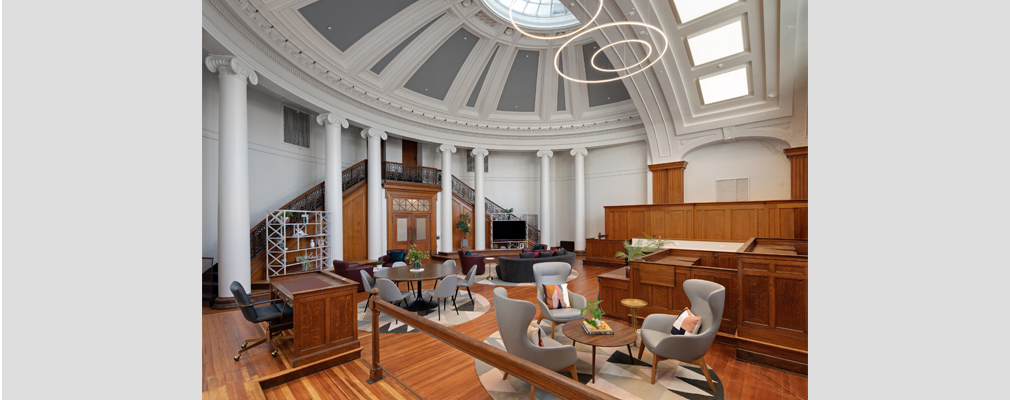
{"points": [[634, 305]]}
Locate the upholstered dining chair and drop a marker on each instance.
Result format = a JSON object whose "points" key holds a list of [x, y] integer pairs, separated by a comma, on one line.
{"points": [[410, 286], [449, 262], [277, 316], [514, 317], [707, 301], [556, 273], [389, 292], [446, 289], [467, 282], [368, 282]]}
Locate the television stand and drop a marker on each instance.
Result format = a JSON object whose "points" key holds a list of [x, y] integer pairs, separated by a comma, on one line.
{"points": [[517, 244]]}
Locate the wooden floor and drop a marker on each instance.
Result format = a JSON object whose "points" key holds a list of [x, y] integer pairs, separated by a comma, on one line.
{"points": [[430, 369]]}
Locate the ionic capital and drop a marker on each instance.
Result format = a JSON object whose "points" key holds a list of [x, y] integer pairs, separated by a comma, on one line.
{"points": [[447, 148], [369, 133], [231, 65], [479, 152], [579, 151], [545, 153], [331, 119]]}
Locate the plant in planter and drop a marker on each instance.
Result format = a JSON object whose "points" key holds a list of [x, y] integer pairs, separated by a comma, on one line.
{"points": [[287, 216], [414, 256], [592, 313], [636, 253], [463, 224], [304, 261]]}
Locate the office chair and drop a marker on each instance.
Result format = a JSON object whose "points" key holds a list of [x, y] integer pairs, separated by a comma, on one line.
{"points": [[277, 316]]}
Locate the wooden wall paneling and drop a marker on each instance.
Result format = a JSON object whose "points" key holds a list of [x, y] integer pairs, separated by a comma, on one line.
{"points": [[668, 182], [614, 286], [419, 191], [601, 252], [621, 226], [735, 221], [788, 220], [798, 172], [774, 298], [728, 279], [355, 224], [636, 223]]}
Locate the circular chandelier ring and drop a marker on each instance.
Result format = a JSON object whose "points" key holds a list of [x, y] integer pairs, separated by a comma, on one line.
{"points": [[516, 26], [666, 45], [648, 52]]}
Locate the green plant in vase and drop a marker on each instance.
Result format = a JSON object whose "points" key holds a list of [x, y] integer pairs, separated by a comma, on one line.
{"points": [[414, 256], [463, 224], [637, 253], [304, 261], [593, 310]]}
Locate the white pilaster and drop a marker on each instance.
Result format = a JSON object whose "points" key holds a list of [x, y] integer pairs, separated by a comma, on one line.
{"points": [[374, 167], [334, 185], [478, 198], [545, 196], [233, 172], [446, 226], [580, 197]]}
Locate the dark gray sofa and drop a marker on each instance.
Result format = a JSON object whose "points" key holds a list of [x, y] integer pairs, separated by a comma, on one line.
{"points": [[516, 269]]}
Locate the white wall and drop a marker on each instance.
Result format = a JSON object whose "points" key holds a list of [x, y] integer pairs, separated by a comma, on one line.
{"points": [[277, 171], [614, 176], [762, 161]]}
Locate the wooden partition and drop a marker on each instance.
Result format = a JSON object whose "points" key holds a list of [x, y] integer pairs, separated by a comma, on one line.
{"points": [[785, 219]]}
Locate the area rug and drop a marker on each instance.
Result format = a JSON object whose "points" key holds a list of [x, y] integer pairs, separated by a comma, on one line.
{"points": [[468, 310], [498, 282], [617, 374]]}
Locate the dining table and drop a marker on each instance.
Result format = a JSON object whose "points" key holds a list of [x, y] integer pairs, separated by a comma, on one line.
{"points": [[429, 271]]}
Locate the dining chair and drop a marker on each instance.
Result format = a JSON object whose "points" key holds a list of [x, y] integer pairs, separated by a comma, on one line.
{"points": [[389, 292], [403, 264], [445, 290], [467, 282], [368, 282]]}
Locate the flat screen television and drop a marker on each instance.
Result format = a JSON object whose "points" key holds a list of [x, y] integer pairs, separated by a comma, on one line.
{"points": [[508, 231]]}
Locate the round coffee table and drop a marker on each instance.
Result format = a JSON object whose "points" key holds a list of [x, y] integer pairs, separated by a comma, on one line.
{"points": [[431, 271], [624, 335]]}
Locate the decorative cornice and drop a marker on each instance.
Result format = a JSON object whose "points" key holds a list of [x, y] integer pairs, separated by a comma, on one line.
{"points": [[579, 151], [366, 101], [446, 147], [371, 133], [486, 18], [685, 141], [669, 165], [545, 153], [479, 152], [331, 119], [231, 65]]}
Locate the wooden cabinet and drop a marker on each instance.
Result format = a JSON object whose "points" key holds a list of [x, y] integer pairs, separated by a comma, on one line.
{"points": [[614, 288]]}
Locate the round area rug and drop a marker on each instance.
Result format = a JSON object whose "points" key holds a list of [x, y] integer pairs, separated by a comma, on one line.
{"points": [[617, 374], [498, 282], [468, 310]]}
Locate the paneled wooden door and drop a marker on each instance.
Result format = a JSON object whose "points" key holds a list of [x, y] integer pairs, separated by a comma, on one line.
{"points": [[410, 228]]}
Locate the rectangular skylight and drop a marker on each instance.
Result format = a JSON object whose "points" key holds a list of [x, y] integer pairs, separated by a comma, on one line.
{"points": [[717, 43], [689, 10], [725, 86]]}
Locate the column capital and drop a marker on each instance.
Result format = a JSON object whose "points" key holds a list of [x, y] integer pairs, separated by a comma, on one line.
{"points": [[369, 133], [446, 148], [231, 65], [479, 152], [545, 153], [579, 151], [331, 119]]}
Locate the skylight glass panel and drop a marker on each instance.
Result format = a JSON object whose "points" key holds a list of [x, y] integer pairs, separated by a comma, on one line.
{"points": [[725, 86], [688, 10], [536, 14], [718, 43]]}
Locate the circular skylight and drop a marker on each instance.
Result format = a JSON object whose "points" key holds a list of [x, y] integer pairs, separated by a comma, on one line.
{"points": [[534, 14]]}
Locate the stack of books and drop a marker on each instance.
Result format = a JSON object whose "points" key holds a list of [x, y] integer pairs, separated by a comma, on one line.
{"points": [[603, 329]]}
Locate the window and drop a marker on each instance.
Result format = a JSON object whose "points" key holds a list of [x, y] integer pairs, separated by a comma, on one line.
{"points": [[470, 162], [296, 127], [732, 189]]}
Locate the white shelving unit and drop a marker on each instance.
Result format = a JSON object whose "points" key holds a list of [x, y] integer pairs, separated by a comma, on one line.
{"points": [[302, 234]]}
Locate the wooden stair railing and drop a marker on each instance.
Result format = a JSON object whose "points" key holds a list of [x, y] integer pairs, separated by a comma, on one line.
{"points": [[552, 382]]}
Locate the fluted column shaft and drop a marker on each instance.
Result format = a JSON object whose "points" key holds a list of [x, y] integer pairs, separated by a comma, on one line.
{"points": [[334, 185], [580, 198], [233, 172], [446, 230], [375, 138], [478, 199], [545, 196]]}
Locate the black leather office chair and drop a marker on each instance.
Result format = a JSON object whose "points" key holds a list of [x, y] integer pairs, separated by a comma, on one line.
{"points": [[277, 316]]}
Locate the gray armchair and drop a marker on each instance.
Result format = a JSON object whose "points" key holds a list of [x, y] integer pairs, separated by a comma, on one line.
{"points": [[513, 317], [556, 273], [707, 301]]}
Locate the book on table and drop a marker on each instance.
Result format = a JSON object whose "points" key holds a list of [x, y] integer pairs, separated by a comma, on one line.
{"points": [[603, 329]]}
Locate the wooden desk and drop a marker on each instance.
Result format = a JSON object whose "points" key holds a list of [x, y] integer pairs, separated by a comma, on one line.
{"points": [[325, 320]]}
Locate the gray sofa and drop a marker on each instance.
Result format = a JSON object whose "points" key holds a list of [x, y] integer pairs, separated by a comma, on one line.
{"points": [[517, 269]]}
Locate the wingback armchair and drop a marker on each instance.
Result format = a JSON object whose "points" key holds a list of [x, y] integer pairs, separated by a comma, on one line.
{"points": [[386, 259], [352, 271], [468, 261]]}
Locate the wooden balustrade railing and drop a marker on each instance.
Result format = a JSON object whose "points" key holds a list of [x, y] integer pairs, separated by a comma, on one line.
{"points": [[559, 385]]}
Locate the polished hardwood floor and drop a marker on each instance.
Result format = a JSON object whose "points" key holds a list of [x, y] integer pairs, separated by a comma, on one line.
{"points": [[427, 367]]}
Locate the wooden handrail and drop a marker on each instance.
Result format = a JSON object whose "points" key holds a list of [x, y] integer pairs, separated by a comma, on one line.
{"points": [[526, 371]]}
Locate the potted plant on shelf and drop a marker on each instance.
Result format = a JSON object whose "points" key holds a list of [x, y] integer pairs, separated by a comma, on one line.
{"points": [[463, 224], [287, 216], [304, 261], [592, 313], [414, 256]]}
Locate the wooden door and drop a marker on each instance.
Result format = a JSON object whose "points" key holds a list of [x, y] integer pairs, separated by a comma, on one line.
{"points": [[409, 152], [408, 229]]}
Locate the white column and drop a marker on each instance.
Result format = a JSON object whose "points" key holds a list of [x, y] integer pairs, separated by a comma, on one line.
{"points": [[580, 197], [478, 198], [334, 185], [545, 196], [446, 231], [233, 173], [374, 166]]}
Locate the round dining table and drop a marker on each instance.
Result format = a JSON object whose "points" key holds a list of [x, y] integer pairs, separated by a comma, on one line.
{"points": [[430, 271]]}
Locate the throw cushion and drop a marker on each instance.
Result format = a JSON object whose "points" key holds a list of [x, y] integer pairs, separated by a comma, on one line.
{"points": [[534, 333], [561, 252], [686, 324], [536, 254], [396, 255], [526, 255], [556, 296], [468, 253], [527, 250], [538, 247]]}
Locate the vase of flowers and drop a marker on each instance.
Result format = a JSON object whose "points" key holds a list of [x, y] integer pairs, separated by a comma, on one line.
{"points": [[414, 256]]}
